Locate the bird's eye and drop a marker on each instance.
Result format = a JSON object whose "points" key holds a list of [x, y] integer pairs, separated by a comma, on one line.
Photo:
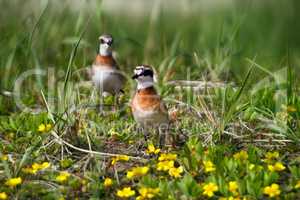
{"points": [[102, 41]]}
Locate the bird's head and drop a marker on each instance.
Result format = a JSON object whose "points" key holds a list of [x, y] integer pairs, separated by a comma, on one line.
{"points": [[143, 74], [106, 42]]}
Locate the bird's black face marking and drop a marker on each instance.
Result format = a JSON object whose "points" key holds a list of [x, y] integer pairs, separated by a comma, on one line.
{"points": [[142, 71], [148, 72], [106, 39], [110, 42]]}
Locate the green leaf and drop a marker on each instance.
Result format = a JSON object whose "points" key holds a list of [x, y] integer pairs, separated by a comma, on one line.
{"points": [[189, 186]]}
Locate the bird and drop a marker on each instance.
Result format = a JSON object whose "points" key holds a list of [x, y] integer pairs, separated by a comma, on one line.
{"points": [[105, 73], [148, 108]]}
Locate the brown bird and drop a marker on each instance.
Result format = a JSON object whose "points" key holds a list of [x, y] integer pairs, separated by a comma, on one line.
{"points": [[106, 74], [148, 109]]}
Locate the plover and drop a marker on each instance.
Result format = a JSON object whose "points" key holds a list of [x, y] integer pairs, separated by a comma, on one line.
{"points": [[105, 72], [148, 108]]}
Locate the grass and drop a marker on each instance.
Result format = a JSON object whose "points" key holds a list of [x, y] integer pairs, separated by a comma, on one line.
{"points": [[247, 52]]}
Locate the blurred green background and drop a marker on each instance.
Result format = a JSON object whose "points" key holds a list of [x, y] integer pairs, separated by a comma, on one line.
{"points": [[212, 39]]}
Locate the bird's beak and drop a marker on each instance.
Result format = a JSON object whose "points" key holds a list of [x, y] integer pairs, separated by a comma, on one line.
{"points": [[109, 43], [134, 76]]}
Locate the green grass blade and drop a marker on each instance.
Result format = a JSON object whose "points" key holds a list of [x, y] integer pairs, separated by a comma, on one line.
{"points": [[35, 27], [73, 54]]}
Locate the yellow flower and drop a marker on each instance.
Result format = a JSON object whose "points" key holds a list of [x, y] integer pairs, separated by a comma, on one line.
{"points": [[4, 157], [44, 165], [251, 166], [165, 165], [152, 150], [114, 161], [209, 189], [36, 167], [291, 109], [29, 170], [130, 142], [12, 182], [123, 157], [233, 187], [278, 166], [48, 127], [272, 190], [297, 186], [84, 181], [270, 156], [209, 166], [176, 172], [119, 158], [147, 193], [137, 172], [44, 128], [125, 192], [167, 156], [230, 198], [62, 177], [242, 155], [108, 182], [3, 195]]}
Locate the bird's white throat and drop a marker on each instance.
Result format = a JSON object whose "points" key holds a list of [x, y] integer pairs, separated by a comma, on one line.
{"points": [[105, 50], [142, 84]]}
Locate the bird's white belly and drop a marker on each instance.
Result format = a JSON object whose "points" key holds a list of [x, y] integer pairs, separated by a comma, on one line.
{"points": [[107, 80], [150, 118]]}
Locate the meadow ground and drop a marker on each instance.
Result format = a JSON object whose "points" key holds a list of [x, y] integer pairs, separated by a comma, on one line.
{"points": [[235, 133]]}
